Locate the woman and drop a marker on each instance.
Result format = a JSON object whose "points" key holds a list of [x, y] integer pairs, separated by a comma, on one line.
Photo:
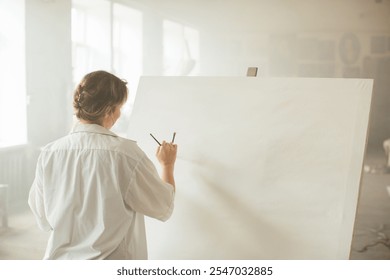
{"points": [[93, 188]]}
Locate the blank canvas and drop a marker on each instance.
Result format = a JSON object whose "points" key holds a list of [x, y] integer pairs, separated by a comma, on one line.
{"points": [[267, 168]]}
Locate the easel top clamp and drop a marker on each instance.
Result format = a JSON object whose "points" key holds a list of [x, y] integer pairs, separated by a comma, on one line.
{"points": [[251, 72]]}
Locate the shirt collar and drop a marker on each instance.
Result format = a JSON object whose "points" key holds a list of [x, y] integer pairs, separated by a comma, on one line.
{"points": [[91, 128]]}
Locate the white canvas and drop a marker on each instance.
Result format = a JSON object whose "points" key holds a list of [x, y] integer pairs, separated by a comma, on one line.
{"points": [[267, 168]]}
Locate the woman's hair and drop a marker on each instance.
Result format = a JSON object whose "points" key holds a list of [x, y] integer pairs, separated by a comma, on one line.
{"points": [[98, 94]]}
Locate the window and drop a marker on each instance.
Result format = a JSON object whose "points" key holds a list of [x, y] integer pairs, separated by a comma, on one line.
{"points": [[13, 110], [108, 36], [91, 46]]}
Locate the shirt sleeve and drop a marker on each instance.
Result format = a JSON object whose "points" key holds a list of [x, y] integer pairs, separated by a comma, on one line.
{"points": [[148, 194], [36, 200]]}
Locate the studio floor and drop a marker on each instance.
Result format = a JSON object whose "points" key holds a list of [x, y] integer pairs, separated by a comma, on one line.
{"points": [[371, 238], [22, 240]]}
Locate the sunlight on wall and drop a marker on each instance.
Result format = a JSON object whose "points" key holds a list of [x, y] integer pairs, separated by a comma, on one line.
{"points": [[181, 49]]}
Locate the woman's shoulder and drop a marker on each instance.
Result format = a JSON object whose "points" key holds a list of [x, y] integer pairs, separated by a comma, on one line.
{"points": [[96, 143], [129, 147]]}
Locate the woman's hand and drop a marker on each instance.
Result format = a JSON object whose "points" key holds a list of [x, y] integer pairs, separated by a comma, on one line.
{"points": [[166, 155]]}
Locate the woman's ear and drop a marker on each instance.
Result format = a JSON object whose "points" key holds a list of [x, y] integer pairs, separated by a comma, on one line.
{"points": [[110, 112]]}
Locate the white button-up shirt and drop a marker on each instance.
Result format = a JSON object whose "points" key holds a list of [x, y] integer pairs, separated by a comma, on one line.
{"points": [[91, 190]]}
